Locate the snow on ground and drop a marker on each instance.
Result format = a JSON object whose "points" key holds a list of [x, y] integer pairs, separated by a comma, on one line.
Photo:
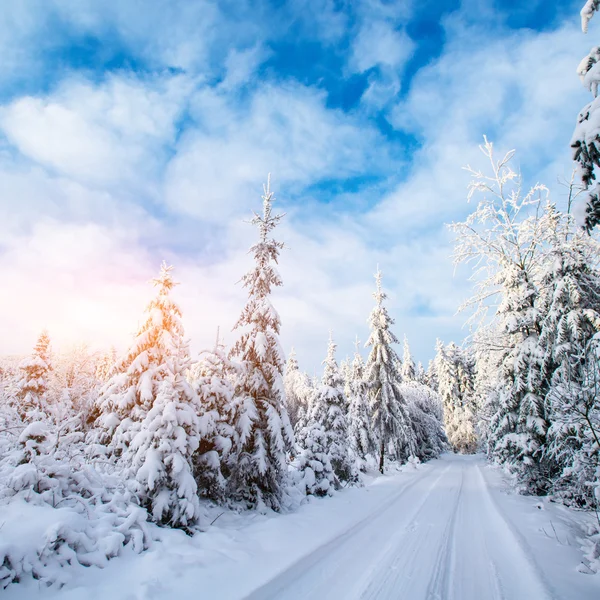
{"points": [[447, 530]]}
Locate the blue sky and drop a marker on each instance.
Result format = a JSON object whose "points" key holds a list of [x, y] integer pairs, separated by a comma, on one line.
{"points": [[132, 132]]}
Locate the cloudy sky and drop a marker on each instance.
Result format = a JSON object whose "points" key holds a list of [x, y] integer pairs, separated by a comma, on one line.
{"points": [[135, 131]]}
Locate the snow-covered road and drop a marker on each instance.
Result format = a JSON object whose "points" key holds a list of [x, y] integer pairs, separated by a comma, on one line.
{"points": [[445, 531], [440, 536]]}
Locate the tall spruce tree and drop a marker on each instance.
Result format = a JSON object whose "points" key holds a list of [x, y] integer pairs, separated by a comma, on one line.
{"points": [[262, 426], [389, 413]]}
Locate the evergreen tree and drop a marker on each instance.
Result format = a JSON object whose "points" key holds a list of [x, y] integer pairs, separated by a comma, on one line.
{"points": [[158, 460], [329, 410], [263, 432], [585, 140], [297, 388], [314, 462], [389, 413], [32, 394], [421, 374], [213, 384], [569, 333], [362, 440], [426, 417], [455, 372], [148, 413], [408, 372]]}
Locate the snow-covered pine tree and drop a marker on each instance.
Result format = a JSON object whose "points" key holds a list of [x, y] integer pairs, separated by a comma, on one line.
{"points": [[263, 432], [426, 417], [362, 440], [421, 374], [505, 237], [408, 372], [158, 459], [570, 370], [314, 461], [585, 140], [148, 413], [389, 414], [328, 409], [455, 373], [33, 385], [297, 389], [213, 382]]}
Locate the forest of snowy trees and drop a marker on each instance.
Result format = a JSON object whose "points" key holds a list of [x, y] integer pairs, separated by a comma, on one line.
{"points": [[157, 435]]}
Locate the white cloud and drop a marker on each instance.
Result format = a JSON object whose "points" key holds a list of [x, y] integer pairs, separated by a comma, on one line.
{"points": [[101, 180]]}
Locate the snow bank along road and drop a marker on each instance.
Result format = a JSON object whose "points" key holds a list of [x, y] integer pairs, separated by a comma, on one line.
{"points": [[441, 535], [444, 531]]}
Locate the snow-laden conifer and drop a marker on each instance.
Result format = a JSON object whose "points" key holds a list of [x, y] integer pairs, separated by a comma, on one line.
{"points": [[314, 461], [213, 381], [408, 370], [362, 440], [586, 140], [455, 375], [263, 433], [158, 459], [389, 413], [32, 393], [328, 409], [158, 350], [426, 417], [297, 389]]}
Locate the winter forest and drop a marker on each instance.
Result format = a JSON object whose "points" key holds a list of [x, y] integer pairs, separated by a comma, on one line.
{"points": [[106, 455]]}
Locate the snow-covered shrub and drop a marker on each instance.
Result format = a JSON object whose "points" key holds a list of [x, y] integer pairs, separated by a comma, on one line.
{"points": [[314, 463], [56, 509]]}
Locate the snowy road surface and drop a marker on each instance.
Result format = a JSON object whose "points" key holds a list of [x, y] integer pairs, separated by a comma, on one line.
{"points": [[445, 531], [441, 536]]}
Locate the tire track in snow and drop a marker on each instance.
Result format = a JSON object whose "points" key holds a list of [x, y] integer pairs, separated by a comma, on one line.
{"points": [[283, 582], [440, 584], [407, 573], [525, 579]]}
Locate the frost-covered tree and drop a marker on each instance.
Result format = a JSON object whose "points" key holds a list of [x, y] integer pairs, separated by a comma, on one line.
{"points": [[409, 370], [297, 389], [389, 412], [149, 413], [455, 373], [263, 433], [158, 350], [213, 382], [505, 239], [420, 374], [575, 430], [32, 394], [158, 459], [106, 364], [585, 140], [362, 440], [328, 409], [314, 461], [426, 417], [569, 365]]}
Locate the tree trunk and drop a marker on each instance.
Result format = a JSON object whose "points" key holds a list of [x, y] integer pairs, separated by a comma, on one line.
{"points": [[381, 455]]}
